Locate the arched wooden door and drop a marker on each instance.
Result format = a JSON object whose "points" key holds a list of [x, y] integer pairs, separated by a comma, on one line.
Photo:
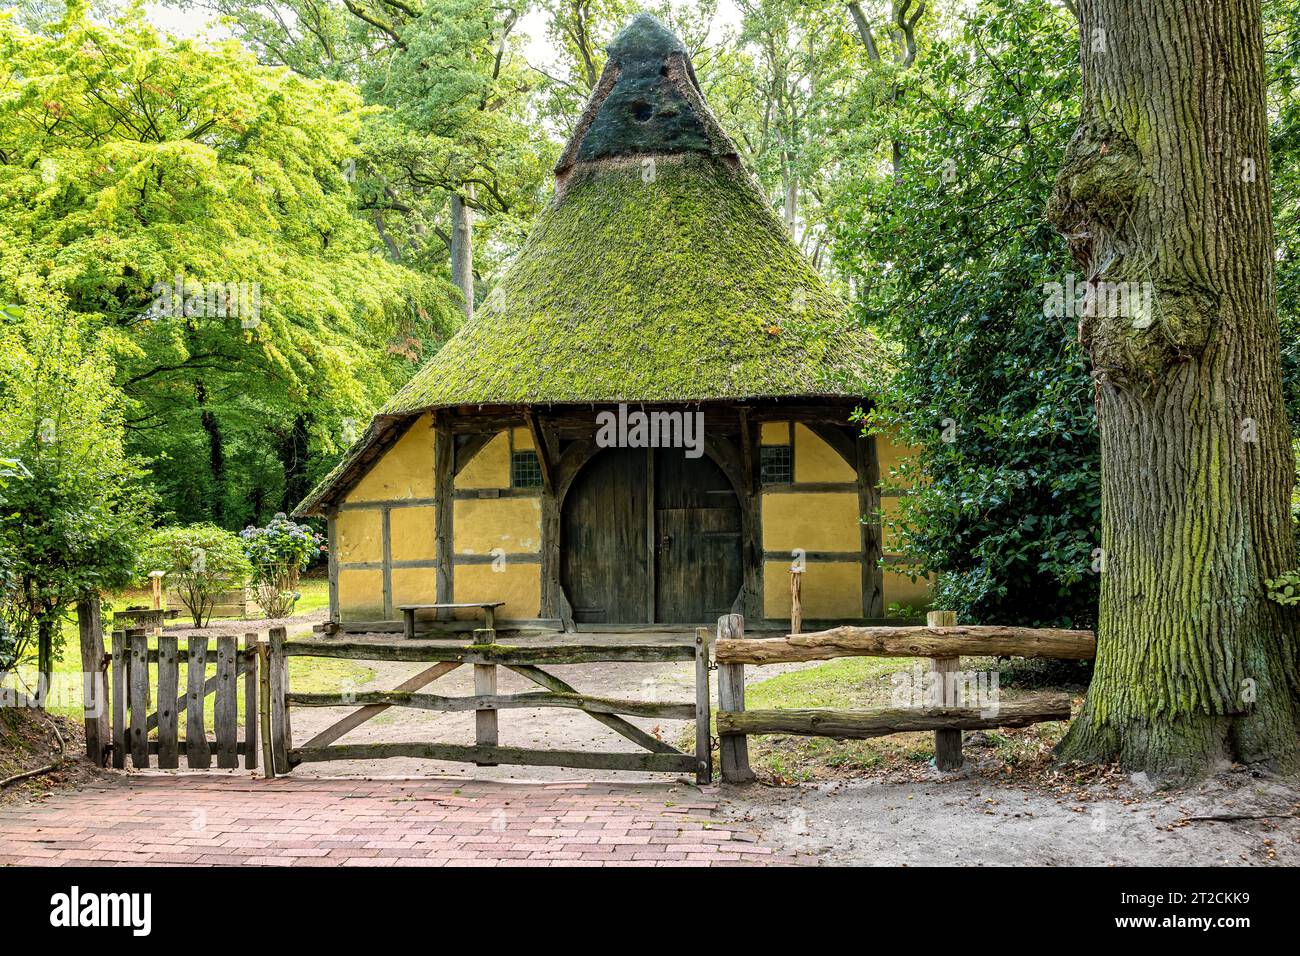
{"points": [[650, 536]]}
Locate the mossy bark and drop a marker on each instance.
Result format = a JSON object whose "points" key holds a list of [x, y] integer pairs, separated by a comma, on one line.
{"points": [[1166, 182]]}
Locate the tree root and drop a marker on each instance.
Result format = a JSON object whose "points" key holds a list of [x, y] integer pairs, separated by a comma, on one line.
{"points": [[58, 760]]}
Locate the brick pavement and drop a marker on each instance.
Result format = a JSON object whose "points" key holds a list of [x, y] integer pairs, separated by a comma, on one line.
{"points": [[213, 820]]}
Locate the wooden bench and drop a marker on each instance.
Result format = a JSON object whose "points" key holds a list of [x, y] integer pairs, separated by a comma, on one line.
{"points": [[489, 609]]}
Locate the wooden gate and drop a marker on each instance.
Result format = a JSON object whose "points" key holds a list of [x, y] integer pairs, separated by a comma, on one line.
{"points": [[146, 713], [486, 656]]}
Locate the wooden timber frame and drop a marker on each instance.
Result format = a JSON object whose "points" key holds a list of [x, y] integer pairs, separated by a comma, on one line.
{"points": [[564, 439], [486, 656], [940, 639], [145, 713]]}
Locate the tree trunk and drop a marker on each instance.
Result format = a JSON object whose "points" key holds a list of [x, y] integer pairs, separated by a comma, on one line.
{"points": [[1164, 197], [216, 453], [462, 251], [45, 655]]}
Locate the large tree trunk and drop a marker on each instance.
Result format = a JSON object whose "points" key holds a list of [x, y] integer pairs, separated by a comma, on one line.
{"points": [[1166, 182], [462, 251], [216, 453]]}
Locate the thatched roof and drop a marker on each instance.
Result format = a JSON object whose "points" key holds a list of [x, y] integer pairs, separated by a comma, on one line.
{"points": [[658, 273]]}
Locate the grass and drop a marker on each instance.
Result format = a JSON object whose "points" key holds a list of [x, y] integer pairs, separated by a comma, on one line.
{"points": [[858, 683]]}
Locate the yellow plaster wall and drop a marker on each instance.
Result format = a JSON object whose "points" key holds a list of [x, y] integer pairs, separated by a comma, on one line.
{"points": [[889, 452], [518, 584], [823, 521], [814, 460], [413, 586], [827, 590], [404, 471], [900, 589], [774, 433], [360, 535], [361, 595], [483, 524], [411, 533], [490, 468], [523, 439]]}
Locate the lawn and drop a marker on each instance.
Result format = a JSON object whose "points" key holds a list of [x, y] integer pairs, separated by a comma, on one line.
{"points": [[857, 683]]}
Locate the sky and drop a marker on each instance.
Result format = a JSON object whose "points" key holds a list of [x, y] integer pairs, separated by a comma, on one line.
{"points": [[536, 49]]}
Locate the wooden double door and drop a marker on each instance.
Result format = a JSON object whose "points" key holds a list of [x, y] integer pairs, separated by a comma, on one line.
{"points": [[650, 536]]}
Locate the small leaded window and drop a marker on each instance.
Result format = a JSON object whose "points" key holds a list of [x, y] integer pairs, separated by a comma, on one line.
{"points": [[776, 465], [525, 470]]}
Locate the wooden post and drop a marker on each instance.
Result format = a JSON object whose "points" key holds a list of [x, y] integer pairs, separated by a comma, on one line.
{"points": [[168, 681], [947, 743], [198, 756], [250, 701], [119, 699], [155, 587], [94, 693], [485, 683], [733, 748], [139, 701], [226, 711], [796, 601], [264, 685], [281, 736], [703, 748]]}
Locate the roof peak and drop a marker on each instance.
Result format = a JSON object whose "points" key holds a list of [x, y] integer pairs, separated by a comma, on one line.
{"points": [[646, 102]]}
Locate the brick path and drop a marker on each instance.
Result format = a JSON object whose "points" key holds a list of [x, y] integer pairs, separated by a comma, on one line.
{"points": [[231, 820]]}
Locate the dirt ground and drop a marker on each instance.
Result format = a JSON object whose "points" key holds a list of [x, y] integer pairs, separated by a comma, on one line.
{"points": [[963, 819]]}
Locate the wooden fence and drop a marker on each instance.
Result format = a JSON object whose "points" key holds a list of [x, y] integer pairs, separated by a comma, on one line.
{"points": [[486, 657], [146, 713], [941, 640]]}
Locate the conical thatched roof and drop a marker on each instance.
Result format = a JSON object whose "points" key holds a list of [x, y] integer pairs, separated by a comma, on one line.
{"points": [[658, 272]]}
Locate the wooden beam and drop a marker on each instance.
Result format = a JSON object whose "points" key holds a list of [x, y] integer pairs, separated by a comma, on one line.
{"points": [[444, 488], [574, 701], [465, 447], [871, 533], [373, 708], [616, 724], [420, 651], [947, 742], [584, 760], [988, 641], [703, 732], [95, 707], [332, 563], [877, 722], [733, 750]]}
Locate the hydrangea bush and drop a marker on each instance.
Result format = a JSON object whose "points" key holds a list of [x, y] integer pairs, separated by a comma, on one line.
{"points": [[278, 553]]}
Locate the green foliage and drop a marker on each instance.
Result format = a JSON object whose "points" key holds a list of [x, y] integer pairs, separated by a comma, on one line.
{"points": [[1284, 589], [277, 554], [73, 507], [951, 259], [199, 561], [133, 164]]}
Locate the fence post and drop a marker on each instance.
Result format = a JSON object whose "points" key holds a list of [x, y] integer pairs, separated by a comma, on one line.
{"points": [[198, 755], [94, 684], [168, 688], [264, 709], [703, 741], [485, 684], [733, 748], [250, 701], [139, 699], [281, 734], [119, 700], [947, 743]]}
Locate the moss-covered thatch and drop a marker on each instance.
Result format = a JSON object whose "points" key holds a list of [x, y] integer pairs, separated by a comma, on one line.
{"points": [[658, 273], [668, 284]]}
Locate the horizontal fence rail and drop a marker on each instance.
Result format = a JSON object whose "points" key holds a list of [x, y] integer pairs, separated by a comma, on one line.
{"points": [[941, 640], [489, 653]]}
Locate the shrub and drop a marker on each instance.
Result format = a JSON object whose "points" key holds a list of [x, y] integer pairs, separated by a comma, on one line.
{"points": [[199, 561], [278, 553]]}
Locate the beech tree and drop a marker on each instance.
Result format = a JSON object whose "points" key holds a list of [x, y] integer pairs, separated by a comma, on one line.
{"points": [[1166, 185]]}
